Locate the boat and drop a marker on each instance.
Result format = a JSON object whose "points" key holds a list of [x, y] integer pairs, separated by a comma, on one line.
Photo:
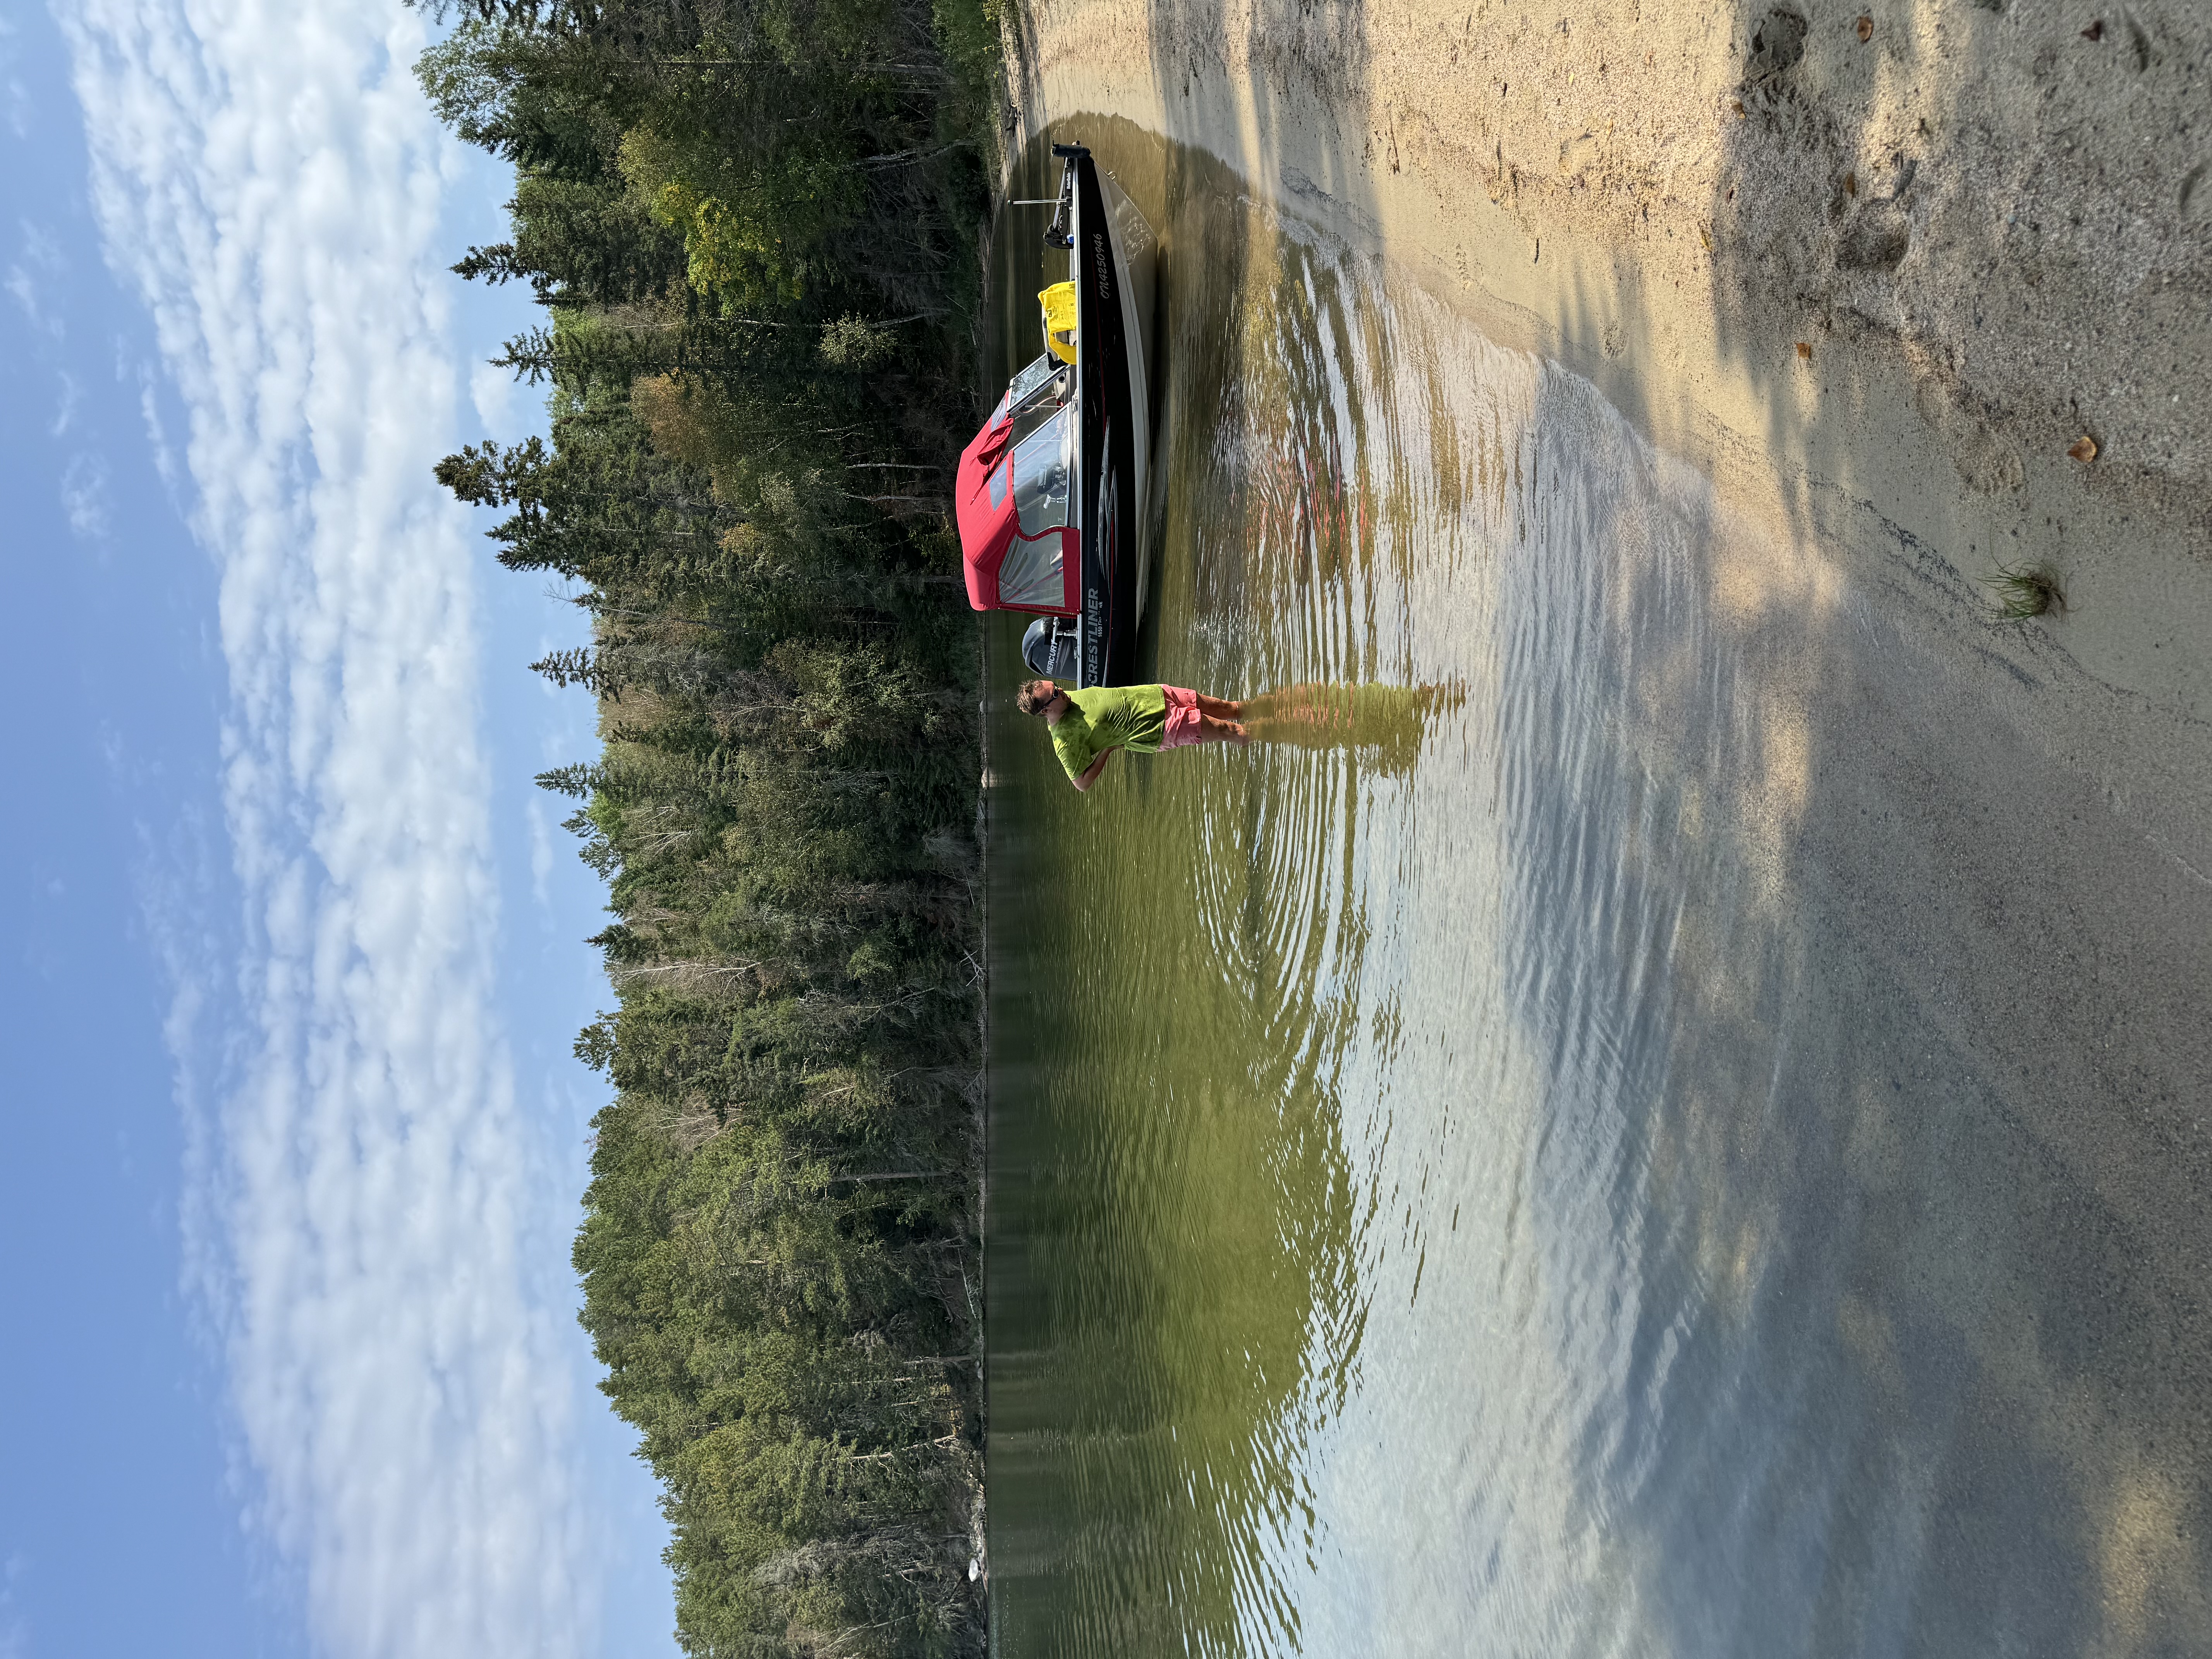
{"points": [[1051, 496]]}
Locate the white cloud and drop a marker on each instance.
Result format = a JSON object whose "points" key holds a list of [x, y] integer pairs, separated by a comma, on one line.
{"points": [[492, 391], [375, 1241], [14, 95], [65, 412], [40, 263], [84, 497], [157, 434], [541, 853]]}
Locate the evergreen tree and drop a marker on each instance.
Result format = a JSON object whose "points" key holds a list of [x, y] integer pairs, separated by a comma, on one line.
{"points": [[752, 225]]}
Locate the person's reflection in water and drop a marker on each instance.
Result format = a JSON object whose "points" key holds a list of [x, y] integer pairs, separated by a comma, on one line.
{"points": [[1385, 722], [1088, 724]]}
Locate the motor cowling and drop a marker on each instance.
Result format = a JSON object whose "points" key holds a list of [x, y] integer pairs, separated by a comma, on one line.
{"points": [[1049, 647]]}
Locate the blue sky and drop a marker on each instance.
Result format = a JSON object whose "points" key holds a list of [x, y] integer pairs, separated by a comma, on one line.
{"points": [[291, 1140]]}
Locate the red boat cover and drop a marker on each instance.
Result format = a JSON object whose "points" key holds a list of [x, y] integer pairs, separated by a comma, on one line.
{"points": [[1007, 568], [983, 498]]}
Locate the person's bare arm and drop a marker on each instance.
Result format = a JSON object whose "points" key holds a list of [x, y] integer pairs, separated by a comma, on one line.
{"points": [[1089, 774]]}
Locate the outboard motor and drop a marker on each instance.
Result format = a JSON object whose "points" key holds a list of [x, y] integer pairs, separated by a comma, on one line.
{"points": [[1048, 647]]}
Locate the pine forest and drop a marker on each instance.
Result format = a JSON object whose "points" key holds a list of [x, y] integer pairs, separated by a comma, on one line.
{"points": [[754, 227]]}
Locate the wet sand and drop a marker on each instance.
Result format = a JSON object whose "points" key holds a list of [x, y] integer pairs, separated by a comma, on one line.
{"points": [[1876, 305]]}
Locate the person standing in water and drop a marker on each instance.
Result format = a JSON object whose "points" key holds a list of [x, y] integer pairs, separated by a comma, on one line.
{"points": [[1088, 725]]}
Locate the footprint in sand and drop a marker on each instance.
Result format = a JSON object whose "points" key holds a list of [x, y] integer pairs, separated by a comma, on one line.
{"points": [[1776, 45], [1877, 239]]}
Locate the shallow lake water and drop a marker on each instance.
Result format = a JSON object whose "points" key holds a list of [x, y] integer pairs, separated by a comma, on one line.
{"points": [[1462, 1181]]}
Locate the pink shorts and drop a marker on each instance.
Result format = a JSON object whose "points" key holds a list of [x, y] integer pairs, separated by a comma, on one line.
{"points": [[1185, 724]]}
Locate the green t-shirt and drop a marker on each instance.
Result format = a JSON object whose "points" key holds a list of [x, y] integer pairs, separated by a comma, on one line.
{"points": [[1105, 717]]}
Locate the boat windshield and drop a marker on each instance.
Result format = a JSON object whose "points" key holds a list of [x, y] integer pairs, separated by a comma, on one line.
{"points": [[1027, 384], [1044, 464], [1036, 392]]}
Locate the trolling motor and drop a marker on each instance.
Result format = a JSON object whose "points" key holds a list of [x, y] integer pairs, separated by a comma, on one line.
{"points": [[1059, 234]]}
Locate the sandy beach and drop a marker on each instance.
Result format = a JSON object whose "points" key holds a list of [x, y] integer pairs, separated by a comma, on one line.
{"points": [[1875, 271]]}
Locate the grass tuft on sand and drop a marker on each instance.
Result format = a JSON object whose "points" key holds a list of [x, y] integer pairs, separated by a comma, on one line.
{"points": [[2026, 591]]}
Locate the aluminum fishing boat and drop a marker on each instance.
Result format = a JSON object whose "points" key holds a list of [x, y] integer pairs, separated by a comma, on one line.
{"points": [[1051, 496]]}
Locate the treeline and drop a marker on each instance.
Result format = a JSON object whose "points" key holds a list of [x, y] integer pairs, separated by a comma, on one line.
{"points": [[755, 227]]}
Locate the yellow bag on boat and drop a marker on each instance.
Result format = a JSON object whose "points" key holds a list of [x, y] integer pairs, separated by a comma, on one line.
{"points": [[1059, 303]]}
